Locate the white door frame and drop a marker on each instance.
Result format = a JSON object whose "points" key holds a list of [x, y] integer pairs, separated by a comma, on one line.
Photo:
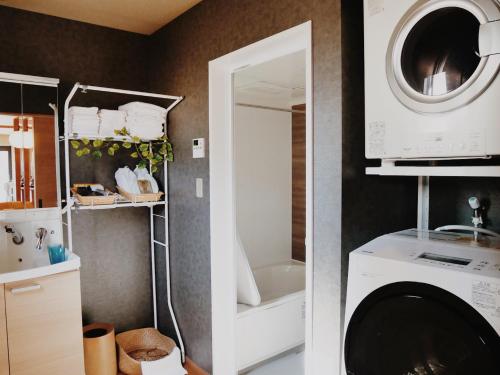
{"points": [[222, 205]]}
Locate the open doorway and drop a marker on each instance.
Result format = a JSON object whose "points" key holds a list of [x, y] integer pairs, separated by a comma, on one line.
{"points": [[261, 206]]}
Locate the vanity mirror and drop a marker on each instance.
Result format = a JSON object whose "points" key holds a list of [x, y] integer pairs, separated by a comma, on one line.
{"points": [[29, 162]]}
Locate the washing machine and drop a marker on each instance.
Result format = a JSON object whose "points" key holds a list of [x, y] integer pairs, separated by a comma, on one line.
{"points": [[432, 85], [423, 303]]}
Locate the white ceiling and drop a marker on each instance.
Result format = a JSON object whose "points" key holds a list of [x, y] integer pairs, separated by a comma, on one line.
{"points": [[278, 83], [139, 16]]}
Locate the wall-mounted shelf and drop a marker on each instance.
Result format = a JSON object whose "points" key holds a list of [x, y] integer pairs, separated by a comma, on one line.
{"points": [[391, 169], [163, 220]]}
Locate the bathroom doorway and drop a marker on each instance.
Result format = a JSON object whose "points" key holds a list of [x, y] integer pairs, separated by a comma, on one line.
{"points": [[261, 206]]}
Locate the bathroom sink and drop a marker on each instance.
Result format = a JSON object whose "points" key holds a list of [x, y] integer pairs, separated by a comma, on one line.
{"points": [[12, 269]]}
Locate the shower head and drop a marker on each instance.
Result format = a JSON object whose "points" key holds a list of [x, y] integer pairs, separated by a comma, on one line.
{"points": [[474, 203]]}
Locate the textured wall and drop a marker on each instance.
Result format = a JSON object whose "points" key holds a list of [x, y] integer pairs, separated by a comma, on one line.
{"points": [[180, 55], [113, 245], [371, 205]]}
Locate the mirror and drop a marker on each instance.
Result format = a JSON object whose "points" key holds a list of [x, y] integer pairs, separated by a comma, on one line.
{"points": [[28, 146]]}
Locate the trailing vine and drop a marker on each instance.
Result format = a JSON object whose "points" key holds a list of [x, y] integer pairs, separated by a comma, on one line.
{"points": [[156, 151]]}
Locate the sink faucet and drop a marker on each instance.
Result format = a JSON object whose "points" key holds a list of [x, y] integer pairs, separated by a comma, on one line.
{"points": [[17, 237], [40, 235]]}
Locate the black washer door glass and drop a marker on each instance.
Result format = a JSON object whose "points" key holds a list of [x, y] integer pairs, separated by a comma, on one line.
{"points": [[439, 54], [418, 329]]}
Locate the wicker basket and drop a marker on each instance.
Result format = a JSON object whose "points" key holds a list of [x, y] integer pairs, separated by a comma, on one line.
{"points": [[138, 198], [146, 339], [93, 200]]}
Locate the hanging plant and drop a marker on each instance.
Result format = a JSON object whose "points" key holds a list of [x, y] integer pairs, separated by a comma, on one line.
{"points": [[155, 152]]}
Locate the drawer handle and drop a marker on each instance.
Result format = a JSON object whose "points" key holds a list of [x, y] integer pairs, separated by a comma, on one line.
{"points": [[25, 289]]}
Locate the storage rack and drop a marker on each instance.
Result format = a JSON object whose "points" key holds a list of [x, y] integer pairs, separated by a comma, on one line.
{"points": [[72, 205]]}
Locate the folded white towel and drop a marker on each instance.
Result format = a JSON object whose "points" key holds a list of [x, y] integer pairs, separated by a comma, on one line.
{"points": [[84, 124], [82, 110], [146, 133], [145, 117], [110, 121], [141, 107], [112, 113]]}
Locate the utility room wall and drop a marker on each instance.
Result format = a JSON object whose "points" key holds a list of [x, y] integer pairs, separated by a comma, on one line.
{"points": [[263, 170]]}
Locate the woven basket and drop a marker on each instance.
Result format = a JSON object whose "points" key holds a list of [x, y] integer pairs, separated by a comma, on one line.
{"points": [[138, 198], [94, 200], [140, 339]]}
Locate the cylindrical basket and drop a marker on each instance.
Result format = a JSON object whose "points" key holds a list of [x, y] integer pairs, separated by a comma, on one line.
{"points": [[99, 349], [145, 339]]}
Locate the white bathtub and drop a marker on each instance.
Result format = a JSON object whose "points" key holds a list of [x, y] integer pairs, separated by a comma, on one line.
{"points": [[278, 323]]}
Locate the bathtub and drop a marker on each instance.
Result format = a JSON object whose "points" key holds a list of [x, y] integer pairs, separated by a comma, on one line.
{"points": [[278, 323]]}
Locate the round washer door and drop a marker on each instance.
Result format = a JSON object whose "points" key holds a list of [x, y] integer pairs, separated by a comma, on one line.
{"points": [[435, 62], [418, 329]]}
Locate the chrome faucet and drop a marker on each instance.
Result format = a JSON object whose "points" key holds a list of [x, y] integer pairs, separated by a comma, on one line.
{"points": [[40, 235], [17, 237]]}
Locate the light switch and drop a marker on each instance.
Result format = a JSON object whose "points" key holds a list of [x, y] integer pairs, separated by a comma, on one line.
{"points": [[198, 148], [199, 188]]}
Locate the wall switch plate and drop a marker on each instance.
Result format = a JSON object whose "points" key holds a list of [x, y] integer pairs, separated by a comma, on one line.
{"points": [[198, 148], [199, 188]]}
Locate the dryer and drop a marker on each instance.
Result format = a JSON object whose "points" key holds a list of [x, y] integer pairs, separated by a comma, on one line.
{"points": [[422, 303], [432, 88]]}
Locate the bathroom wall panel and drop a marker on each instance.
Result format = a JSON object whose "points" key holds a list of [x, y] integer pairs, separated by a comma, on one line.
{"points": [[116, 284], [299, 183], [263, 175]]}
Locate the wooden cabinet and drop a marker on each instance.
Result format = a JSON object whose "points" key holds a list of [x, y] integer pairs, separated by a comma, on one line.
{"points": [[4, 354], [44, 325]]}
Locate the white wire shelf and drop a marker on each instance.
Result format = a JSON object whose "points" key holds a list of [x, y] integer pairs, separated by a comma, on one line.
{"points": [[444, 171], [77, 137], [78, 206]]}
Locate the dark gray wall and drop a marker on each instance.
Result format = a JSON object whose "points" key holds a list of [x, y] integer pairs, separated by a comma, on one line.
{"points": [[113, 245], [371, 205], [345, 199], [448, 200]]}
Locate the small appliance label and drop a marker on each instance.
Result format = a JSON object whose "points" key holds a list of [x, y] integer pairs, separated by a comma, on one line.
{"points": [[376, 138], [486, 297], [375, 7]]}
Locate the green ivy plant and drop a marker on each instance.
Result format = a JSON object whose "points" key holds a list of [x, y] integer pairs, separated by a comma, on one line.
{"points": [[155, 152]]}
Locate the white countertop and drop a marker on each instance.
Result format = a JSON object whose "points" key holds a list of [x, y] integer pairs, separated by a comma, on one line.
{"points": [[72, 264]]}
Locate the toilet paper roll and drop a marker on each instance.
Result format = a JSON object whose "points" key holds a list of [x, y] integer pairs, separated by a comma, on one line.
{"points": [[99, 349]]}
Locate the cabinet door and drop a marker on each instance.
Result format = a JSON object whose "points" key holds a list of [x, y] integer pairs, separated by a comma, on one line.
{"points": [[44, 325], [4, 356]]}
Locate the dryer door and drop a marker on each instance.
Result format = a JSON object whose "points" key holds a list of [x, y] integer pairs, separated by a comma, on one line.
{"points": [[418, 329], [444, 54]]}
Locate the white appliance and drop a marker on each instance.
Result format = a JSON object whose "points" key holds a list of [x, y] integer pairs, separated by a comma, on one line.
{"points": [[431, 78], [422, 303]]}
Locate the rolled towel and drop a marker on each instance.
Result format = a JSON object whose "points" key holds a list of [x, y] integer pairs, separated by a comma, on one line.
{"points": [[141, 107], [111, 120], [75, 110]]}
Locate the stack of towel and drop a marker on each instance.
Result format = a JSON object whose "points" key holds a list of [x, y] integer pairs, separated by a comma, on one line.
{"points": [[145, 120], [84, 121], [110, 121]]}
